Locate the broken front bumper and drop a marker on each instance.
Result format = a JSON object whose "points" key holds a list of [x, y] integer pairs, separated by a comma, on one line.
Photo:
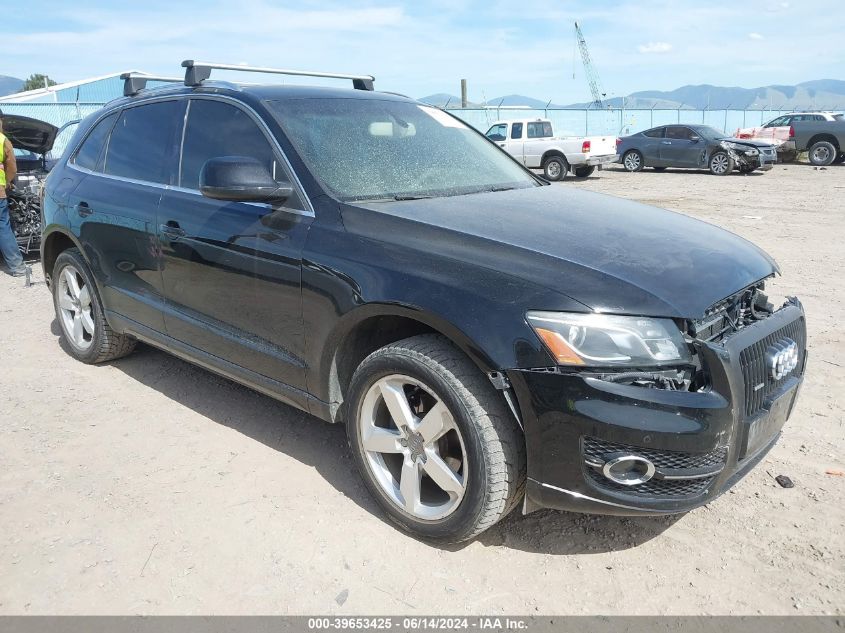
{"points": [[700, 443]]}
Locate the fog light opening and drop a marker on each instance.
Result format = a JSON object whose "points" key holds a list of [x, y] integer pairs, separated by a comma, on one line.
{"points": [[628, 470]]}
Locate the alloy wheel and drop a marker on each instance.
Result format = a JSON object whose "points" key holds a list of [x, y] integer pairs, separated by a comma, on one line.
{"points": [[75, 308], [632, 161], [719, 163], [413, 447], [553, 169]]}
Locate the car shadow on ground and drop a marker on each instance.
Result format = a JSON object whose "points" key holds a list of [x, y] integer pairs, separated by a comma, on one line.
{"points": [[323, 446]]}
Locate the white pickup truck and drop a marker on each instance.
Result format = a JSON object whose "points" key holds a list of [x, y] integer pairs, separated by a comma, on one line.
{"points": [[533, 142]]}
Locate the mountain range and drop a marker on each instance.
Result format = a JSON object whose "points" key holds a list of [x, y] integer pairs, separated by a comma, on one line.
{"points": [[10, 85], [821, 94]]}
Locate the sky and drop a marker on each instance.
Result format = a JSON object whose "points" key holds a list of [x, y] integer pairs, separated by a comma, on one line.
{"points": [[420, 48]]}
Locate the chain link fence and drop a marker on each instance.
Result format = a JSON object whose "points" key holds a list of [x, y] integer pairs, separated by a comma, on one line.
{"points": [[617, 122]]}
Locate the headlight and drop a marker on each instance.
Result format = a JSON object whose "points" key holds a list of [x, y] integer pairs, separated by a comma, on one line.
{"points": [[751, 152], [607, 339]]}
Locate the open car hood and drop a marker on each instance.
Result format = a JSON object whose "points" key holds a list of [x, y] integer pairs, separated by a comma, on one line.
{"points": [[29, 134]]}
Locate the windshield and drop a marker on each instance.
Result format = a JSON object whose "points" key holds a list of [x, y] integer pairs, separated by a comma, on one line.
{"points": [[710, 133], [367, 149]]}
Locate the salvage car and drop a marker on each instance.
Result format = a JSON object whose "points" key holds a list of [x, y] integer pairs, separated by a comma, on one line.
{"points": [[694, 147], [488, 339], [534, 143], [32, 140]]}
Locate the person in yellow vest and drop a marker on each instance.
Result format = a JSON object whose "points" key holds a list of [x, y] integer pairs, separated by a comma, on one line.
{"points": [[8, 243]]}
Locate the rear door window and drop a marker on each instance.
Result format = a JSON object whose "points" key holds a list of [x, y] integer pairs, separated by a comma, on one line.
{"points": [[90, 154], [516, 130], [655, 133], [143, 143]]}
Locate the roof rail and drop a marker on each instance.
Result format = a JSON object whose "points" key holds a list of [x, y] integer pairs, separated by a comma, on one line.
{"points": [[196, 72], [133, 83]]}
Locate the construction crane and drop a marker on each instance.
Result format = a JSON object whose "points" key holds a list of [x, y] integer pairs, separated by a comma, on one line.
{"points": [[589, 70]]}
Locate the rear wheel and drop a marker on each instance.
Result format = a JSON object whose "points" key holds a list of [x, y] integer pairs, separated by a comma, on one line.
{"points": [[822, 153], [436, 445], [585, 171], [555, 168], [633, 160], [80, 313], [721, 164]]}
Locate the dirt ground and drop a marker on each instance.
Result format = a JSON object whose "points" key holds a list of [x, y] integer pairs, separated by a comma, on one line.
{"points": [[149, 486]]}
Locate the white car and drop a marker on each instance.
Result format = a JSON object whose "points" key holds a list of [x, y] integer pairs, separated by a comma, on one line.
{"points": [[779, 131], [532, 141]]}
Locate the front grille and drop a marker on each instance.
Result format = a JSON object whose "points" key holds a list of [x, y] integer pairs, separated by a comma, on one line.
{"points": [[667, 460], [655, 487], [663, 460], [759, 384]]}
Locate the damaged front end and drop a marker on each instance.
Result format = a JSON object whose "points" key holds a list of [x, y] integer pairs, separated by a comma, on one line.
{"points": [[666, 439], [748, 157]]}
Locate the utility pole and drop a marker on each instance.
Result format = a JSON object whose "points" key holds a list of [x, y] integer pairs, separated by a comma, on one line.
{"points": [[463, 93]]}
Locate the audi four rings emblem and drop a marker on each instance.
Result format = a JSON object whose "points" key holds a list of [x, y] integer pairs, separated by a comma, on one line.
{"points": [[782, 358]]}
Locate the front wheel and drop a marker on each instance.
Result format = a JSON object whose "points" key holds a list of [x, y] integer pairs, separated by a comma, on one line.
{"points": [[585, 171], [633, 160], [721, 164], [555, 168], [435, 443]]}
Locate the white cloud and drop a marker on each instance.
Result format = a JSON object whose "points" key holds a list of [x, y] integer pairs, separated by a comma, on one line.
{"points": [[755, 36], [655, 47]]}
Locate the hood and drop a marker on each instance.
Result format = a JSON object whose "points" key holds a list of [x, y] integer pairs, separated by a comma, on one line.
{"points": [[30, 134], [610, 254], [748, 141]]}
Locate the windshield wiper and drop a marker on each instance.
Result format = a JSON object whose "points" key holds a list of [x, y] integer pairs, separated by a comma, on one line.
{"points": [[502, 188], [411, 197]]}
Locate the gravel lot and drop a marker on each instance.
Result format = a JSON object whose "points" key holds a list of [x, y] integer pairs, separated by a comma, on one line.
{"points": [[150, 486]]}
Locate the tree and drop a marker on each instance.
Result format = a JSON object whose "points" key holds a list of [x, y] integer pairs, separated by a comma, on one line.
{"points": [[36, 81]]}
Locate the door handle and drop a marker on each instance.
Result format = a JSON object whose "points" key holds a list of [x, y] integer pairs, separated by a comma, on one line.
{"points": [[501, 144], [665, 142], [172, 230], [83, 209]]}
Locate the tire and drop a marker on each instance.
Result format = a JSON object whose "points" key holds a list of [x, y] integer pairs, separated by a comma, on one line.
{"points": [[555, 168], [79, 312], [482, 447], [822, 153], [720, 164], [633, 160], [585, 172], [659, 168], [839, 159]]}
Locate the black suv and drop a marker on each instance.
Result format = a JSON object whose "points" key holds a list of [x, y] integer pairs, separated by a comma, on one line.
{"points": [[488, 339]]}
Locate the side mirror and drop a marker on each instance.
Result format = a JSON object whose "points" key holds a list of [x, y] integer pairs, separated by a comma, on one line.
{"points": [[241, 179], [694, 138]]}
